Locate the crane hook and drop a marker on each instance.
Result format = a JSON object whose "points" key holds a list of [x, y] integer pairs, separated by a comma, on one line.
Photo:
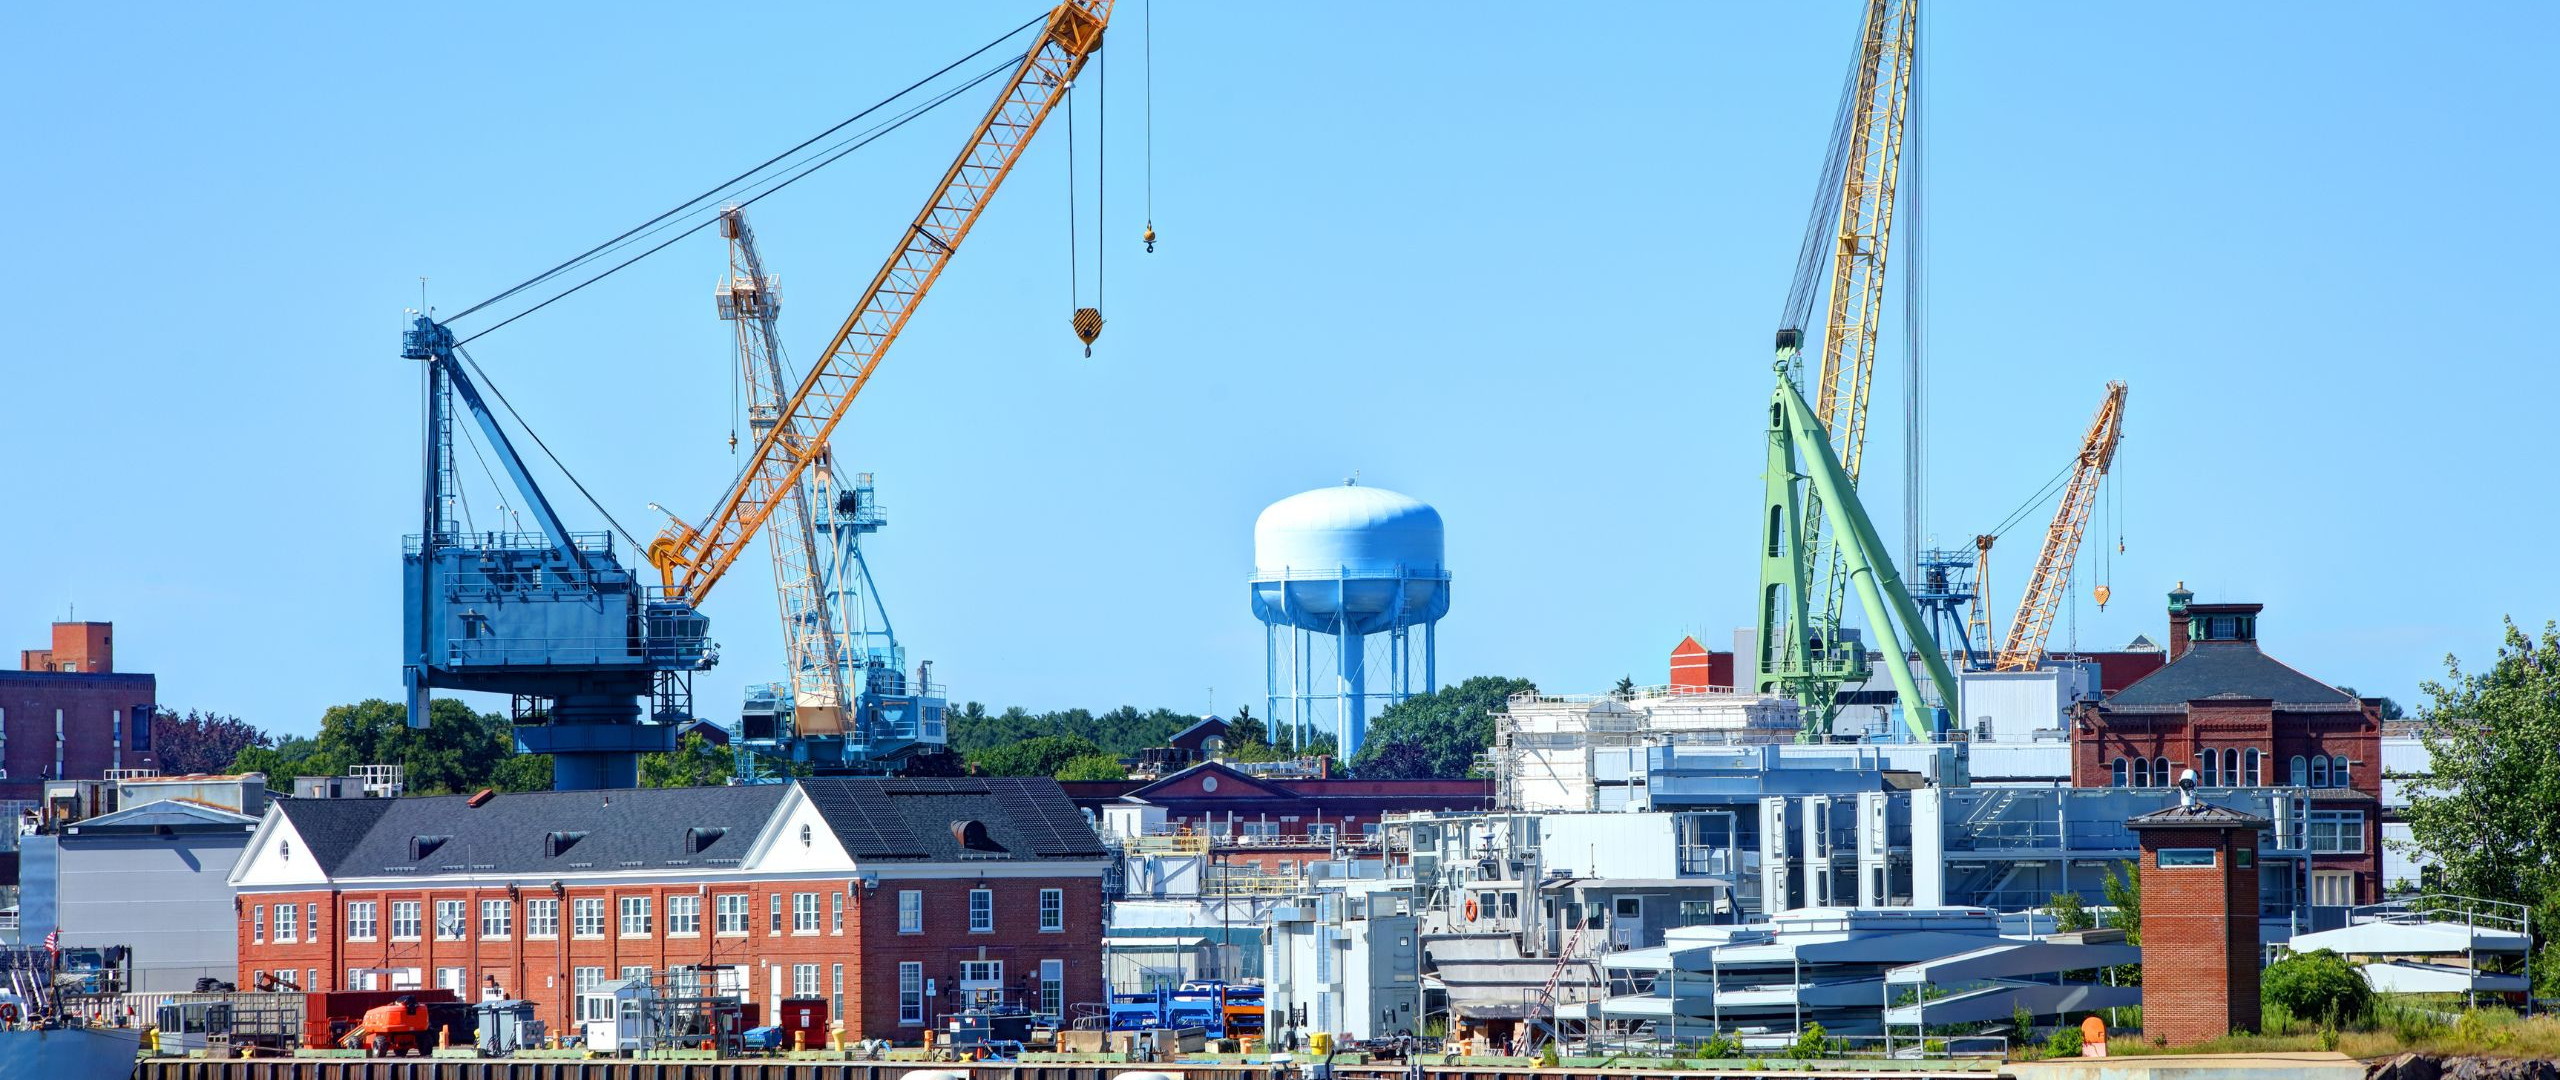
{"points": [[1151, 238], [1088, 324]]}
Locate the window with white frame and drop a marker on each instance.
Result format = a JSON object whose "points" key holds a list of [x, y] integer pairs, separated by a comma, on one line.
{"points": [[288, 923], [2120, 775], [2250, 758], [635, 971], [1322, 832], [910, 911], [635, 916], [1053, 988], [542, 918], [982, 983], [597, 1006], [2337, 831], [405, 920], [982, 911], [310, 923], [1258, 830], [774, 905], [731, 913], [361, 920], [835, 996], [2333, 888], [1053, 910], [586, 916], [804, 980], [804, 913], [450, 978], [684, 916], [497, 920], [2338, 772], [450, 920], [910, 993], [835, 914]]}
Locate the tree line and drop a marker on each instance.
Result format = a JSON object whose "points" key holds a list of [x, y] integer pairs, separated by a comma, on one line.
{"points": [[1433, 735]]}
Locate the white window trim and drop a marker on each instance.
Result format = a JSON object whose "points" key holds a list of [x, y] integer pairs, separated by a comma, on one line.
{"points": [[990, 927], [904, 927], [1061, 926]]}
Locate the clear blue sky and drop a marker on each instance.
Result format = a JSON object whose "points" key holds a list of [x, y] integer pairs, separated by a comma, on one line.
{"points": [[1519, 264]]}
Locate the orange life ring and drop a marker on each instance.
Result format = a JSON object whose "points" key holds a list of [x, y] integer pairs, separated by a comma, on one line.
{"points": [[8, 1014], [1472, 909]]}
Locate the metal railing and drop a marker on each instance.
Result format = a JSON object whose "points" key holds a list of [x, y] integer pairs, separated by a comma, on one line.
{"points": [[2471, 911], [1351, 574]]}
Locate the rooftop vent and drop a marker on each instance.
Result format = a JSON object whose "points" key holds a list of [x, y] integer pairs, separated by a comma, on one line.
{"points": [[972, 836], [554, 844], [696, 839]]}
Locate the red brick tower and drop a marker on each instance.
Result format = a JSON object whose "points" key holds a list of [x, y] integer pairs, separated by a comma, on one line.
{"points": [[2199, 921]]}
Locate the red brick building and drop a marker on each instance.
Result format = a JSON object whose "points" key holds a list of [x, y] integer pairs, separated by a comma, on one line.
{"points": [[69, 715], [2240, 718], [896, 900], [2199, 921]]}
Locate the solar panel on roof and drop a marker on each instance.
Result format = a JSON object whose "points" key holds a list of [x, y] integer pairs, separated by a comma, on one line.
{"points": [[1042, 825]]}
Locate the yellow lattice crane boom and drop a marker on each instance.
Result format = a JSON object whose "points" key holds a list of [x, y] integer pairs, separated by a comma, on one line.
{"points": [[2024, 647], [691, 558]]}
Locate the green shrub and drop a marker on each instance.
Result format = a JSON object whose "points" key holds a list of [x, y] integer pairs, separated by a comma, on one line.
{"points": [[2318, 986], [1810, 1044], [1720, 1047], [2063, 1043]]}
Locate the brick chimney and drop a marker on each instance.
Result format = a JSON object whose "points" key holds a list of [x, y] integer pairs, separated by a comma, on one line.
{"points": [[2178, 599]]}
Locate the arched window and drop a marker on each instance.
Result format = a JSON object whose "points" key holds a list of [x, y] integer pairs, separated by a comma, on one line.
{"points": [[2338, 772], [2212, 768], [2251, 757], [2160, 773], [2231, 767], [2119, 772], [2141, 772], [2319, 770], [2302, 771]]}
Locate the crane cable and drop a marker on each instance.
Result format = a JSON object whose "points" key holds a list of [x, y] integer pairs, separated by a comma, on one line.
{"points": [[1148, 36], [833, 154], [1087, 321], [1822, 223], [733, 181]]}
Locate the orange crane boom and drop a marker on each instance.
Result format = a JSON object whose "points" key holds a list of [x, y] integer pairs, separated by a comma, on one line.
{"points": [[2024, 648], [691, 558]]}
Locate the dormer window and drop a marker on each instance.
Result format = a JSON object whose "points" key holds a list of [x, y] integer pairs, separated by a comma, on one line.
{"points": [[696, 839], [554, 844], [422, 846]]}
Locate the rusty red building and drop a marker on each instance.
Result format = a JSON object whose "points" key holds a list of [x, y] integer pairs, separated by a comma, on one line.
{"points": [[70, 715], [896, 900], [2241, 718]]}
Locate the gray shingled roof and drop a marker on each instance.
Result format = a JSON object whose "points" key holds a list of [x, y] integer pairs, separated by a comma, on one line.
{"points": [[2227, 669], [2200, 813], [330, 828], [512, 834], [914, 818]]}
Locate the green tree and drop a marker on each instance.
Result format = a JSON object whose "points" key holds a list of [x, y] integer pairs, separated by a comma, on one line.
{"points": [[522, 772], [1437, 734], [1626, 687], [2319, 986], [1041, 755], [695, 762], [2069, 913], [1093, 767], [2124, 893], [2488, 813], [458, 751]]}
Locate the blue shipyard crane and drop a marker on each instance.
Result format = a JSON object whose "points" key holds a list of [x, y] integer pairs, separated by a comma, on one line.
{"points": [[547, 616], [551, 617]]}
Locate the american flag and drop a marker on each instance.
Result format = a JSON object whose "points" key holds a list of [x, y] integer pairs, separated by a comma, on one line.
{"points": [[53, 940]]}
